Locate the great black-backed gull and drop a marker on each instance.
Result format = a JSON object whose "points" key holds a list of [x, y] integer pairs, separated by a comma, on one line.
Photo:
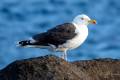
{"points": [[63, 37]]}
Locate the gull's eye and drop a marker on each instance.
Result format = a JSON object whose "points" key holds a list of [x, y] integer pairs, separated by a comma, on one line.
{"points": [[82, 18]]}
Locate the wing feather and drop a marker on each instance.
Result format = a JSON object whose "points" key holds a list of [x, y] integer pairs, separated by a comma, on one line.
{"points": [[58, 35]]}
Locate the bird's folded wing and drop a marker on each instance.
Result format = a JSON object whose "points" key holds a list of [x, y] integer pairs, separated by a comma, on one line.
{"points": [[56, 36]]}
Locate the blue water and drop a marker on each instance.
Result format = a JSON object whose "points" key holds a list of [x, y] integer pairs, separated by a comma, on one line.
{"points": [[20, 19]]}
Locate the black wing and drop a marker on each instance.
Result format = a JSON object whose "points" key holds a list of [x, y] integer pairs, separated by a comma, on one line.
{"points": [[56, 36]]}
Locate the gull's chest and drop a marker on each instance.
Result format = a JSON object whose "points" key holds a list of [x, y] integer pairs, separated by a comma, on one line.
{"points": [[75, 42]]}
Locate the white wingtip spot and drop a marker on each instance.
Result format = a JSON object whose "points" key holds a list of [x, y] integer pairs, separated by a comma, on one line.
{"points": [[17, 44]]}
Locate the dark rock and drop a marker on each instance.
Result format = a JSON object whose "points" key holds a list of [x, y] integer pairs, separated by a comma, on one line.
{"points": [[54, 68], [101, 69]]}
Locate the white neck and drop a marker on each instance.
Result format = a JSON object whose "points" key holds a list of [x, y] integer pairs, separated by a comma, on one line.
{"points": [[81, 28]]}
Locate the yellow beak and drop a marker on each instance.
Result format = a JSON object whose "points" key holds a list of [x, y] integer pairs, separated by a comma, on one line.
{"points": [[92, 21]]}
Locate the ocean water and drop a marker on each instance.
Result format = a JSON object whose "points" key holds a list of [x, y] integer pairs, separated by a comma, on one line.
{"points": [[20, 19]]}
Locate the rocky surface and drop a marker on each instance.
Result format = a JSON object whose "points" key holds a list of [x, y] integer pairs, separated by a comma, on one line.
{"points": [[54, 68]]}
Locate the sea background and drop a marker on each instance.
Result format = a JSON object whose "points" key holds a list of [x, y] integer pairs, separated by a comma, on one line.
{"points": [[20, 19]]}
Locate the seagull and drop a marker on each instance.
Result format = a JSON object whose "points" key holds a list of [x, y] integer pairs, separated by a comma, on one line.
{"points": [[63, 37]]}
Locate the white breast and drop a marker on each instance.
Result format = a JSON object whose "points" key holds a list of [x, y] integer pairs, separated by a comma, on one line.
{"points": [[82, 33]]}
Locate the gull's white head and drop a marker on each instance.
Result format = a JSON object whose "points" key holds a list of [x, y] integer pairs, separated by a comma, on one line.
{"points": [[83, 20]]}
